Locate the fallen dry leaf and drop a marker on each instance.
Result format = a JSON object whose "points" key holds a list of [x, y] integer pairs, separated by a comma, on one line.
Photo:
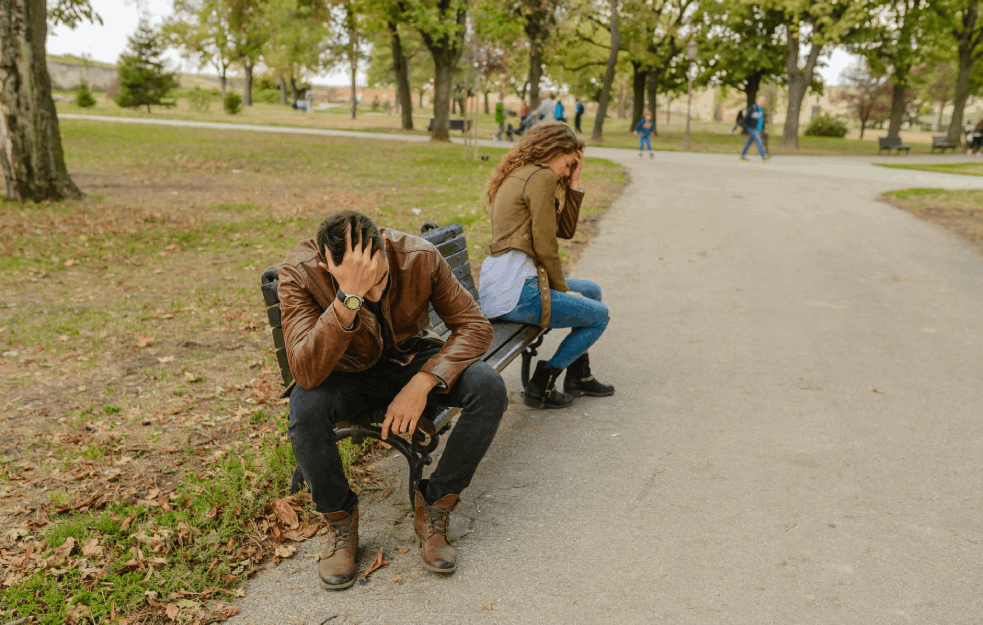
{"points": [[171, 611], [286, 513], [397, 578], [285, 551], [165, 359], [144, 341], [70, 262], [126, 522], [377, 564], [91, 548], [489, 606], [878, 392]]}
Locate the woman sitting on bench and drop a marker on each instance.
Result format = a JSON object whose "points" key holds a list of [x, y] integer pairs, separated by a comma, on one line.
{"points": [[535, 197]]}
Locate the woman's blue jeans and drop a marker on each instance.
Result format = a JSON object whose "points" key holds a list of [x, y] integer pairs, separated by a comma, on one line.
{"points": [[586, 315]]}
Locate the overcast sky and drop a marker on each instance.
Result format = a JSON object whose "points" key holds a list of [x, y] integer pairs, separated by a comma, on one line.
{"points": [[104, 43]]}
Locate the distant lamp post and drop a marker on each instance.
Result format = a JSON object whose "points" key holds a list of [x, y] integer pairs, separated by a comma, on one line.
{"points": [[691, 56]]}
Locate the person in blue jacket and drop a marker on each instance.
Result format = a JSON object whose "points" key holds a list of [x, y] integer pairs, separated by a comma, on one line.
{"points": [[755, 123], [644, 130], [580, 113], [558, 112]]}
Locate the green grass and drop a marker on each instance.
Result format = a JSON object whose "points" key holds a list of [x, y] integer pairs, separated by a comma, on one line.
{"points": [[965, 169]]}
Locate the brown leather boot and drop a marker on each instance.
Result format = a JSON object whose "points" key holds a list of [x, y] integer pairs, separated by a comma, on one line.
{"points": [[337, 566], [431, 524]]}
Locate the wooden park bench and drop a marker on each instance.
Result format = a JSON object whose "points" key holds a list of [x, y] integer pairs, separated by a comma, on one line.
{"points": [[463, 125], [943, 143], [510, 340], [892, 143]]}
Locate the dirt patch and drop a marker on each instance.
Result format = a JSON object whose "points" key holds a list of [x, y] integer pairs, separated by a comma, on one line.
{"points": [[958, 211]]}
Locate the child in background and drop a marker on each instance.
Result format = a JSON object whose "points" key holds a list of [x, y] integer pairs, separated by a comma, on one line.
{"points": [[644, 131]]}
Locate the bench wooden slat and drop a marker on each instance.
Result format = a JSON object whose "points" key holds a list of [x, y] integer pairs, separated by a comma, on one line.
{"points": [[462, 271], [281, 358], [443, 233], [273, 314], [454, 245], [457, 259]]}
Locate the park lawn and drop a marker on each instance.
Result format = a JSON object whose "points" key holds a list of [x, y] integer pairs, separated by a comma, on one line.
{"points": [[143, 449], [705, 136], [965, 169], [958, 211]]}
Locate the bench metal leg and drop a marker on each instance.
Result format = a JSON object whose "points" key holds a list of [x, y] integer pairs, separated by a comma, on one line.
{"points": [[417, 452], [527, 355]]}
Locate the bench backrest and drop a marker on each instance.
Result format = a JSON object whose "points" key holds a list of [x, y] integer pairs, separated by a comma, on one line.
{"points": [[449, 241], [888, 142], [940, 141]]}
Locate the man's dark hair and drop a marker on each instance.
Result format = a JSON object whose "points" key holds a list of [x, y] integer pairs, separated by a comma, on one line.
{"points": [[331, 235]]}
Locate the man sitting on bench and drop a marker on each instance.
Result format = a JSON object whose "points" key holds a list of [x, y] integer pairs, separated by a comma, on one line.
{"points": [[355, 314]]}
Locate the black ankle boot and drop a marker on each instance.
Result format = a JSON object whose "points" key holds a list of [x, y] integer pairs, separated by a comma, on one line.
{"points": [[541, 391], [579, 381]]}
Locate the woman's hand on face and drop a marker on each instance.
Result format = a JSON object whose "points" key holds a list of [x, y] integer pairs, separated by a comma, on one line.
{"points": [[577, 167]]}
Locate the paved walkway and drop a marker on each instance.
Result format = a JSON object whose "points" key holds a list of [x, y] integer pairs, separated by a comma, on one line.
{"points": [[796, 435]]}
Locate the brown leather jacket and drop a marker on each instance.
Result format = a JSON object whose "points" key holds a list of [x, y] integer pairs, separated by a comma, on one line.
{"points": [[317, 344], [526, 216]]}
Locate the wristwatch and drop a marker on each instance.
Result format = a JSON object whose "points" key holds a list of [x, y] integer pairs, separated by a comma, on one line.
{"points": [[351, 302]]}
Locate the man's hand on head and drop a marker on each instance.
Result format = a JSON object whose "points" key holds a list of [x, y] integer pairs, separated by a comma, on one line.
{"points": [[405, 410], [359, 269]]}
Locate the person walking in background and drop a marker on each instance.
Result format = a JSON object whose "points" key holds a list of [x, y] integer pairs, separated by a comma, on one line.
{"points": [[535, 198], [579, 107], [755, 123], [739, 122], [547, 108], [644, 130], [559, 112], [500, 116]]}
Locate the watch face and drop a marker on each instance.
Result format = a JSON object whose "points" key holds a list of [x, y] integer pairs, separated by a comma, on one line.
{"points": [[352, 302]]}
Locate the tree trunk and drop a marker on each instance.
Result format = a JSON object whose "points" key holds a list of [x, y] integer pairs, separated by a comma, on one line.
{"points": [[751, 86], [863, 126], [293, 90], [938, 122], [222, 81], [283, 90], [420, 100], [353, 60], [638, 76], [955, 134], [443, 75], [602, 105], [798, 81], [31, 156], [453, 106], [653, 90], [535, 73], [247, 86], [487, 110], [897, 109], [401, 69], [622, 100]]}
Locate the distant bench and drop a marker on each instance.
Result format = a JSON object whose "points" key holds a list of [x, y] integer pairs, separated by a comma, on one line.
{"points": [[509, 340], [892, 143], [943, 143], [463, 125]]}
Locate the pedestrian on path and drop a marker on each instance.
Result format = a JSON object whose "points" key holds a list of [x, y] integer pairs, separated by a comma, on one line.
{"points": [[644, 130], [558, 112], [535, 197], [579, 107], [500, 116], [755, 123], [546, 110], [353, 344]]}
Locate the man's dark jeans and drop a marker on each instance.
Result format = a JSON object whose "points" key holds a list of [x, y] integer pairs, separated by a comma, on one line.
{"points": [[479, 392]]}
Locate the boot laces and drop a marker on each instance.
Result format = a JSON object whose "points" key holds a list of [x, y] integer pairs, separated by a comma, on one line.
{"points": [[340, 531], [437, 521]]}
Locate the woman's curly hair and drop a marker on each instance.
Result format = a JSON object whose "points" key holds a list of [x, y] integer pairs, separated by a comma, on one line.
{"points": [[541, 144]]}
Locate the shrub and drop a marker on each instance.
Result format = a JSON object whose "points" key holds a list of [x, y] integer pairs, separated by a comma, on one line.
{"points": [[270, 96], [199, 99], [375, 103], [825, 125], [83, 97], [232, 103]]}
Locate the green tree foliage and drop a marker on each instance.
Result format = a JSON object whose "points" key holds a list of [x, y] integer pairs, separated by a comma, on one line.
{"points": [[83, 97], [299, 40], [903, 34], [143, 78], [741, 46], [962, 22], [442, 26], [867, 94], [825, 125], [202, 30]]}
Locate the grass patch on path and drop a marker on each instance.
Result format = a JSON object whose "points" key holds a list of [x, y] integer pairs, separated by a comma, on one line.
{"points": [[964, 169], [958, 211], [142, 441]]}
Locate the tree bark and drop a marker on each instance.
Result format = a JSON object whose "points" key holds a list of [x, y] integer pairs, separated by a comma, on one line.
{"points": [[653, 90], [535, 74], [31, 156], [638, 77], [283, 90], [602, 105], [293, 90], [247, 86], [751, 86], [420, 99], [223, 81], [402, 71], [446, 51], [487, 110], [353, 60], [966, 61], [798, 81], [897, 110]]}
